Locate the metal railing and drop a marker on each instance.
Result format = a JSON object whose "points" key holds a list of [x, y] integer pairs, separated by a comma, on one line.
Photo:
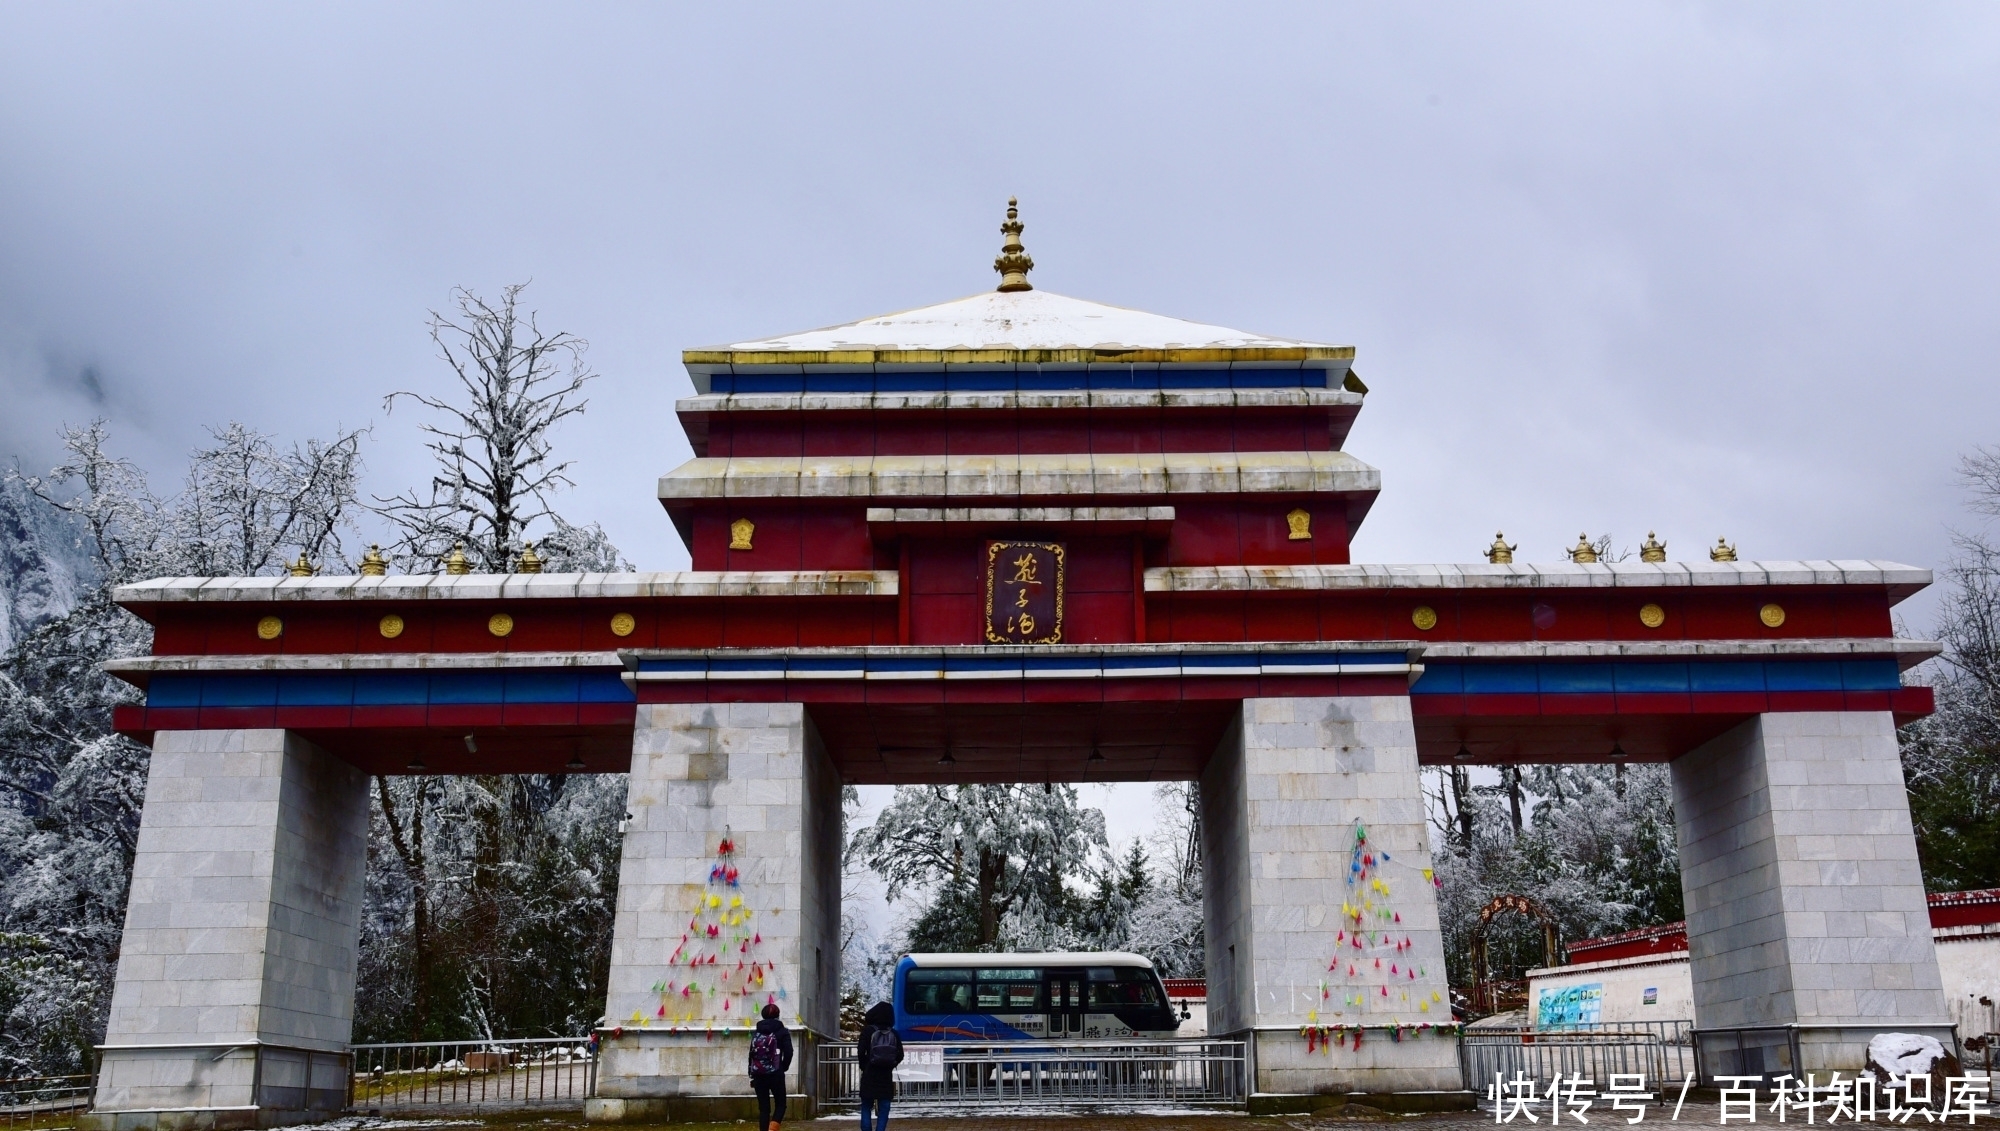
{"points": [[1658, 1050], [533, 1072], [44, 1101], [1030, 1073]]}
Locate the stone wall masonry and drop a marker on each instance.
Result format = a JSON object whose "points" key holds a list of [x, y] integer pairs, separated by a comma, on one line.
{"points": [[1280, 801], [243, 920], [758, 772], [1799, 866]]}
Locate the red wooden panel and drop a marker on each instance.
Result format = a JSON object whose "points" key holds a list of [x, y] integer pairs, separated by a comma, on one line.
{"points": [[1496, 616], [847, 623], [690, 624], [406, 715], [545, 626], [1166, 690], [835, 538], [234, 633], [768, 434], [945, 618], [464, 629], [1808, 701], [419, 629], [306, 718], [1217, 687], [1286, 686], [826, 691], [710, 548], [839, 434], [1654, 703], [906, 691], [944, 566], [1375, 685], [1196, 620], [1066, 690], [1265, 430], [1914, 702], [1113, 431], [1580, 703], [774, 543], [885, 623], [1579, 616], [1807, 613], [538, 714], [238, 718], [747, 691], [1366, 616], [175, 635], [1437, 706], [1098, 618], [675, 692], [1729, 702], [1724, 616], [1195, 431], [1099, 565], [1866, 701], [606, 714], [319, 630], [1266, 536], [1043, 433], [126, 717], [595, 625], [1203, 535], [899, 433], [463, 715], [1476, 705], [1281, 618], [1863, 614], [982, 691], [173, 718], [978, 432], [1331, 537], [1623, 621], [760, 624]]}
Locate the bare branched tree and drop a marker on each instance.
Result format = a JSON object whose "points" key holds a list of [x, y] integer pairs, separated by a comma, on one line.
{"points": [[495, 471]]}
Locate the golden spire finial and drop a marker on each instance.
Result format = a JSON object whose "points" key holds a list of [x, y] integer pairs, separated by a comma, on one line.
{"points": [[373, 564], [1014, 262], [1723, 551], [1652, 550], [1583, 553], [1500, 553], [300, 568], [456, 563], [531, 562]]}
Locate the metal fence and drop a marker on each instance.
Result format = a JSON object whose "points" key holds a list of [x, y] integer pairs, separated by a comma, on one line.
{"points": [[44, 1101], [1658, 1050], [553, 1071], [1075, 1073]]}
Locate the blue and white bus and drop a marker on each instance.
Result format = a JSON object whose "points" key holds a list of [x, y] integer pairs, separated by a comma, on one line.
{"points": [[1013, 997]]}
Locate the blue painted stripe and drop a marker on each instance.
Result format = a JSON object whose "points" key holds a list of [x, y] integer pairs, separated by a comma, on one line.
{"points": [[1634, 677], [386, 689]]}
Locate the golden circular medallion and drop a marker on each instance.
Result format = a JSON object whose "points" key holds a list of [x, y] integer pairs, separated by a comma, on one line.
{"points": [[391, 626], [270, 628], [1652, 616], [499, 624], [622, 624], [1424, 617], [1773, 616]]}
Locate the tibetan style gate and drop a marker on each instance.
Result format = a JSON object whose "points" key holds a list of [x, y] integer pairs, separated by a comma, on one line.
{"points": [[1014, 537]]}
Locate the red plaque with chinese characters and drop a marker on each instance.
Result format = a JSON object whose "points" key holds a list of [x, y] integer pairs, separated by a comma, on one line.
{"points": [[1024, 592]]}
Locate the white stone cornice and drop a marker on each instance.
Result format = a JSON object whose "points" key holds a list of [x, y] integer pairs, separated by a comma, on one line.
{"points": [[513, 586], [968, 400], [1900, 580]]}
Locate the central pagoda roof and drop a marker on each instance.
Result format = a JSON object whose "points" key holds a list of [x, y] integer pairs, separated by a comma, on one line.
{"points": [[1024, 320]]}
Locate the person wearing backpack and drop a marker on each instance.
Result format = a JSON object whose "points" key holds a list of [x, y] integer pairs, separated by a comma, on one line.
{"points": [[881, 1050], [770, 1059]]}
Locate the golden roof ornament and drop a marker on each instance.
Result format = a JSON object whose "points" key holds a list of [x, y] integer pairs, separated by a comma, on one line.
{"points": [[530, 563], [1651, 550], [1722, 551], [456, 563], [1583, 553], [1500, 553], [1014, 262], [301, 568], [373, 564]]}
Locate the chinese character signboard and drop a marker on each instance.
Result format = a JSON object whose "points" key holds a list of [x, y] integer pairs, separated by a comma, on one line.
{"points": [[1024, 592]]}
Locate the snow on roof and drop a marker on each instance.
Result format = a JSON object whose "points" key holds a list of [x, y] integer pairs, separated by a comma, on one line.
{"points": [[1034, 958], [1021, 320]]}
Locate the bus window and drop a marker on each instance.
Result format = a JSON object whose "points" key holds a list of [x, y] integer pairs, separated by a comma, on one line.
{"points": [[1123, 988], [937, 991], [1010, 990]]}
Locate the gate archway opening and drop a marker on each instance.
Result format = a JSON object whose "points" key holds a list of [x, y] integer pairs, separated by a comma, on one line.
{"points": [[1492, 993]]}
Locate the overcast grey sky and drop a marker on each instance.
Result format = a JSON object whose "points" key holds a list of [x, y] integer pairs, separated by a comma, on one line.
{"points": [[1724, 269]]}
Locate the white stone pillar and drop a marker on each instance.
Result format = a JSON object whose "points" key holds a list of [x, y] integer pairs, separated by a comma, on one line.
{"points": [[235, 994], [1280, 800], [1805, 903], [758, 772]]}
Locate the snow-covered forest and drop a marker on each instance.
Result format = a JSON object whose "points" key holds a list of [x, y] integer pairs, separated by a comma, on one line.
{"points": [[490, 898]]}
